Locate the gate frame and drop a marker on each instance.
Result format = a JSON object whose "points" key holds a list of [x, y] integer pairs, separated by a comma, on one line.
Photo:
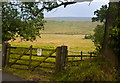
{"points": [[61, 56]]}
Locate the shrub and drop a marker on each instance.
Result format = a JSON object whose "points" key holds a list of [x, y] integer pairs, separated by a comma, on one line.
{"points": [[88, 37]]}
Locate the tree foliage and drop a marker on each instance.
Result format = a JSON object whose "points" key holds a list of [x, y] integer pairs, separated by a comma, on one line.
{"points": [[25, 19], [113, 31], [115, 38], [101, 14], [98, 36], [20, 23], [99, 30]]}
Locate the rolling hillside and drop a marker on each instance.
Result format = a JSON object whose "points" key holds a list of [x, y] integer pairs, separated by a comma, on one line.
{"points": [[69, 27]]}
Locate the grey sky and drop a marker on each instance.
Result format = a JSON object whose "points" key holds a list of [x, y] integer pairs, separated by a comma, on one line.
{"points": [[82, 9]]}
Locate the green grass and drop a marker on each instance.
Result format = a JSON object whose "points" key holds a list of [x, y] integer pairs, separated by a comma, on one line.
{"points": [[96, 69], [75, 43], [69, 27]]}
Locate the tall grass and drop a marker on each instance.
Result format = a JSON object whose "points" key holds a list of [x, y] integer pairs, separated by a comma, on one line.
{"points": [[96, 69]]}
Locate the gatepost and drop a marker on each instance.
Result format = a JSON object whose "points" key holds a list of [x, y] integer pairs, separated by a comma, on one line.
{"points": [[4, 53], [61, 58]]}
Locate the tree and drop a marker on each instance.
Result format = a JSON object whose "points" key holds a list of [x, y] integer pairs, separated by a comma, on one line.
{"points": [[15, 23], [25, 19], [99, 30], [111, 39], [101, 14], [111, 22]]}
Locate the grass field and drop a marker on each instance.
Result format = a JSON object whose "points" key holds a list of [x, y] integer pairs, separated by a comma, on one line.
{"points": [[57, 35], [75, 43], [69, 27]]}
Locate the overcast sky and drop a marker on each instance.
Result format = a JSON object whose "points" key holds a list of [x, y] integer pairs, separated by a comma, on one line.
{"points": [[80, 9]]}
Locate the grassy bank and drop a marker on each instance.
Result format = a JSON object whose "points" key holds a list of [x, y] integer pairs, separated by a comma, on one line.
{"points": [[97, 69]]}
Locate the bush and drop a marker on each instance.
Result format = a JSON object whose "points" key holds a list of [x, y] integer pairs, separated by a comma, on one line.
{"points": [[88, 37], [115, 39]]}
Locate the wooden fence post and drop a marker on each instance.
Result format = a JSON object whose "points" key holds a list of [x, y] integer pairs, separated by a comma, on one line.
{"points": [[58, 60], [61, 58], [8, 54], [30, 57], [4, 53], [81, 55], [64, 56]]}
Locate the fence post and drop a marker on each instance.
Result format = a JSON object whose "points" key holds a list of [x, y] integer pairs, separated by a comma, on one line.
{"points": [[64, 56], [81, 55], [4, 53], [61, 58], [58, 60], [30, 57], [8, 54]]}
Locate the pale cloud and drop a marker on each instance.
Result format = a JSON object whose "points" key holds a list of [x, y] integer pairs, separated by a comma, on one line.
{"points": [[82, 9]]}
